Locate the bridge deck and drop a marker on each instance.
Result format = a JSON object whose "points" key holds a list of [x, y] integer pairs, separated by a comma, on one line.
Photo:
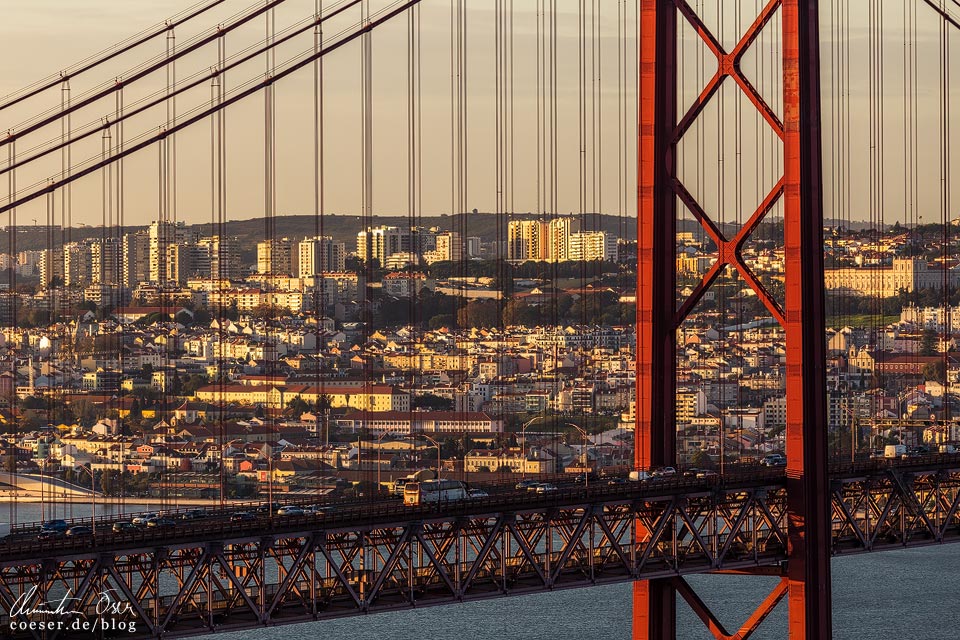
{"points": [[214, 574]]}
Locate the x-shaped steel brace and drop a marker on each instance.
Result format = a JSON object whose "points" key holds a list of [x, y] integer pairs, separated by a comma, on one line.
{"points": [[728, 65], [728, 251]]}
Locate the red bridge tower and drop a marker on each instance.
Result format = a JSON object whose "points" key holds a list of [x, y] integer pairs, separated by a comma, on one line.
{"points": [[663, 122]]}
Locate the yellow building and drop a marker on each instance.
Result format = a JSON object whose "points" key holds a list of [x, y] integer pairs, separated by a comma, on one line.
{"points": [[370, 397], [906, 274]]}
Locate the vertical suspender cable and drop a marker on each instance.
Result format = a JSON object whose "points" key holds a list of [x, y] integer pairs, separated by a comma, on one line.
{"points": [[270, 203], [367, 190], [326, 250], [14, 304], [66, 206], [597, 156], [945, 203], [217, 195]]}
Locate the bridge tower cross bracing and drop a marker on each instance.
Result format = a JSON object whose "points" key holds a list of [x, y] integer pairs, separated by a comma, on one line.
{"points": [[806, 579]]}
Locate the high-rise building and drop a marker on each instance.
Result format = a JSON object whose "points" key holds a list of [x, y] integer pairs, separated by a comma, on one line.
{"points": [[593, 245], [540, 239], [224, 257], [320, 254], [382, 242], [105, 259], [136, 259], [560, 230], [162, 235], [449, 246], [275, 257], [28, 262], [77, 264], [50, 267], [339, 288], [187, 260], [526, 240], [474, 247]]}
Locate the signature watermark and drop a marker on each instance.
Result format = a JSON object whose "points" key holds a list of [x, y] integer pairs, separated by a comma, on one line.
{"points": [[106, 613]]}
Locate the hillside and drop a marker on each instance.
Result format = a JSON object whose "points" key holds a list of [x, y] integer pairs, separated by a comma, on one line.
{"points": [[342, 228]]}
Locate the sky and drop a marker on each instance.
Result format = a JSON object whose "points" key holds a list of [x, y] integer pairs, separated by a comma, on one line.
{"points": [[41, 37]]}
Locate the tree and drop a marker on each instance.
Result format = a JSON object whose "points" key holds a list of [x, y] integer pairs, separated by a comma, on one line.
{"points": [[432, 402], [443, 320], [701, 460], [479, 314], [298, 406], [324, 403], [32, 402], [935, 371], [85, 412], [136, 409], [202, 317], [194, 382], [108, 483], [268, 312], [928, 343]]}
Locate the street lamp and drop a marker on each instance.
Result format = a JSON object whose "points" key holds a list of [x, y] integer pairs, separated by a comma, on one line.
{"points": [[434, 442], [93, 489], [523, 444], [586, 473], [379, 449]]}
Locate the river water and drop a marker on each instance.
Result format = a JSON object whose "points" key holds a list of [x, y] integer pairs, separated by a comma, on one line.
{"points": [[893, 595]]}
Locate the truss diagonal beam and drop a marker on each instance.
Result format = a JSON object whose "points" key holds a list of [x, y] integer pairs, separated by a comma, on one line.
{"points": [[713, 624]]}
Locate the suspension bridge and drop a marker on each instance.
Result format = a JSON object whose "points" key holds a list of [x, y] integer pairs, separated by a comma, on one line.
{"points": [[738, 179]]}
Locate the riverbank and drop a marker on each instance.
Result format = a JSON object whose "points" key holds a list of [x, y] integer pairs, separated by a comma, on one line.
{"points": [[35, 498]]}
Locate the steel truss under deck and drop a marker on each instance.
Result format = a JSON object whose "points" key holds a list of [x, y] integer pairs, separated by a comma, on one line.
{"points": [[328, 568]]}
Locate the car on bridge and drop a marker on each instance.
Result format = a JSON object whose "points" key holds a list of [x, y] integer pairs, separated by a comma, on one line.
{"points": [[79, 531], [290, 510], [243, 516], [774, 460], [524, 485], [124, 527], [161, 523], [476, 494], [142, 519], [58, 526], [664, 472], [546, 487], [317, 510]]}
